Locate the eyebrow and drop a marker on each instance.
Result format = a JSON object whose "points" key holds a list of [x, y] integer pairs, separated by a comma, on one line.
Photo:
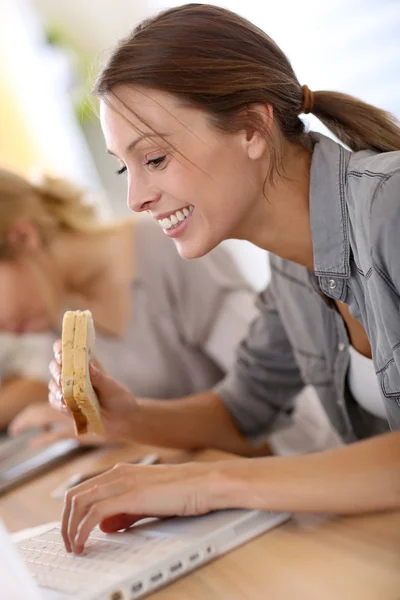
{"points": [[132, 145]]}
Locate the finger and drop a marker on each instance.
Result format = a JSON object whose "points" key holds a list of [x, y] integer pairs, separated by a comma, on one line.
{"points": [[56, 399], [55, 370], [50, 438], [19, 424], [98, 512], [118, 522], [83, 502], [34, 415], [100, 480], [57, 349], [96, 364]]}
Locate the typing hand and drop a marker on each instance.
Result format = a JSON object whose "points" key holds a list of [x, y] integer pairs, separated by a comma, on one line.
{"points": [[120, 497], [118, 405]]}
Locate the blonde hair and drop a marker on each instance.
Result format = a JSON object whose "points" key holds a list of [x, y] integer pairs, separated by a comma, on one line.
{"points": [[53, 205]]}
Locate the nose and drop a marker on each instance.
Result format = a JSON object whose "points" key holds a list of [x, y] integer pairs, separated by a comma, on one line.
{"points": [[141, 196]]}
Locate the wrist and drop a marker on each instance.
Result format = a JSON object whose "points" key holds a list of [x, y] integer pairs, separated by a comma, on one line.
{"points": [[228, 484], [123, 425]]}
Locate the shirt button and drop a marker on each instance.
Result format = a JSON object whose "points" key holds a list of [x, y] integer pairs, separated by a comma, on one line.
{"points": [[332, 284], [341, 347]]}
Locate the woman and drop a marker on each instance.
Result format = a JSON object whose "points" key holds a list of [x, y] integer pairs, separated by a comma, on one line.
{"points": [[165, 327], [201, 109]]}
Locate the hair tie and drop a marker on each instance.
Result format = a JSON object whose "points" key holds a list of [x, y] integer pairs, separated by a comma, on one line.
{"points": [[308, 100]]}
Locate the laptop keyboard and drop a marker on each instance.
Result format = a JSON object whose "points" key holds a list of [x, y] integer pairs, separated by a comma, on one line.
{"points": [[102, 563]]}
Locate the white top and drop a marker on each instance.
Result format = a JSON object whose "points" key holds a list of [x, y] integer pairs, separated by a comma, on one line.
{"points": [[364, 384], [27, 356]]}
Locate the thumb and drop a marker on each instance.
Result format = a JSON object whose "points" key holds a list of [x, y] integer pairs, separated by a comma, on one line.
{"points": [[118, 522], [104, 385]]}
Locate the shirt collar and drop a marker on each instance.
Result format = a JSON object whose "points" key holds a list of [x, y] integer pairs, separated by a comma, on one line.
{"points": [[328, 214]]}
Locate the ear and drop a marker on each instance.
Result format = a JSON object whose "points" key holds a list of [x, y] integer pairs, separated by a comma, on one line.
{"points": [[260, 119], [24, 236]]}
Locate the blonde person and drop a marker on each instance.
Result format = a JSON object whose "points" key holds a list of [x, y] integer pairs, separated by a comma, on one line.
{"points": [[201, 110], [166, 327], [23, 372]]}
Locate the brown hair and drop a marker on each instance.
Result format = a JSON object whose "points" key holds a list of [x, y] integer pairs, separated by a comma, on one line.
{"points": [[220, 62], [53, 205]]}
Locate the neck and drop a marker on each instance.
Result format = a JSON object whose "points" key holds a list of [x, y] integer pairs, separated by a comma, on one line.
{"points": [[280, 222]]}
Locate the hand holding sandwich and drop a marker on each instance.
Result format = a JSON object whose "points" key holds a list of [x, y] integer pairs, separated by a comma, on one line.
{"points": [[98, 402], [117, 404]]}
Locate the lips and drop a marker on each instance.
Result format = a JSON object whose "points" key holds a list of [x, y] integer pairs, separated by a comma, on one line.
{"points": [[176, 218]]}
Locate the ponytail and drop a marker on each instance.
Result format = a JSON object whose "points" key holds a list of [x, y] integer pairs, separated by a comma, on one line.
{"points": [[357, 124]]}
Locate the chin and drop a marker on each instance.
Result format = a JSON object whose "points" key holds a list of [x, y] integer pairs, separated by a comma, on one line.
{"points": [[194, 248]]}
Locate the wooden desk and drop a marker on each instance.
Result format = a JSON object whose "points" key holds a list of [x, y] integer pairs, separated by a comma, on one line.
{"points": [[308, 558]]}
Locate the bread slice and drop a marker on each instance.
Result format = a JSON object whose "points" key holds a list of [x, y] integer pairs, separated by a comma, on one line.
{"points": [[67, 372], [78, 339]]}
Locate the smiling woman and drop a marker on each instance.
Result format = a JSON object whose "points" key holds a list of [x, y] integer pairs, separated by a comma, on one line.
{"points": [[237, 151]]}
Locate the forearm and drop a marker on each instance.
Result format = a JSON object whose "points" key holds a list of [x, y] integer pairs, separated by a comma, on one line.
{"points": [[199, 421], [15, 394], [362, 477]]}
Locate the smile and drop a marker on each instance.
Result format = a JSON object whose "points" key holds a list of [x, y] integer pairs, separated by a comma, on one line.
{"points": [[175, 218]]}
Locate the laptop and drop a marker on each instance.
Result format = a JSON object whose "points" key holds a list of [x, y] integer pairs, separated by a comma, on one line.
{"points": [[128, 564], [20, 462]]}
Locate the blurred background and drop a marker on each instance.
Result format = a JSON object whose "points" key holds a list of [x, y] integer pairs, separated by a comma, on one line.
{"points": [[49, 51]]}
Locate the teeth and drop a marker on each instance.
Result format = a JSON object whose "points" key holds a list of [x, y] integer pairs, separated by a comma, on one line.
{"points": [[165, 223], [178, 217]]}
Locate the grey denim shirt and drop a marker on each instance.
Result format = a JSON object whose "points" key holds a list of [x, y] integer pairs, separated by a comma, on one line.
{"points": [[299, 338]]}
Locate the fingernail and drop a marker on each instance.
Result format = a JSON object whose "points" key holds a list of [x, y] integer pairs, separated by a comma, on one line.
{"points": [[94, 371], [58, 357], [59, 380]]}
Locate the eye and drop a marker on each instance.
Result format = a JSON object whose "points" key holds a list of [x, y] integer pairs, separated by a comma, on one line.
{"points": [[121, 170], [155, 163]]}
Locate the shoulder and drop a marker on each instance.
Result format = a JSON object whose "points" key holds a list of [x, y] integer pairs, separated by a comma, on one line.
{"points": [[374, 191], [385, 212], [372, 166], [384, 229]]}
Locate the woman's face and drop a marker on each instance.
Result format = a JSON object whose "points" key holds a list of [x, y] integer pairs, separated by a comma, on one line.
{"points": [[200, 184], [23, 306]]}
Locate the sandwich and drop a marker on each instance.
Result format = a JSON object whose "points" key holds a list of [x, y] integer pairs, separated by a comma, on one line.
{"points": [[78, 339]]}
